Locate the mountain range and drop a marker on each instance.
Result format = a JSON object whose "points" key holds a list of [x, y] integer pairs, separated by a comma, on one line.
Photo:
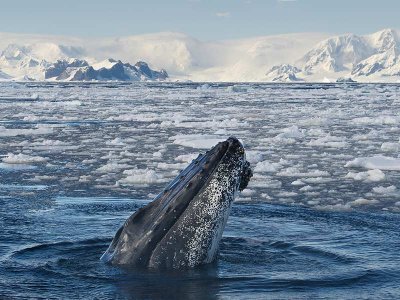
{"points": [[372, 57], [308, 57]]}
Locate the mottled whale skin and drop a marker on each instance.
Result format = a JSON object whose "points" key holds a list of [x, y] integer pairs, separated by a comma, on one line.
{"points": [[182, 227]]}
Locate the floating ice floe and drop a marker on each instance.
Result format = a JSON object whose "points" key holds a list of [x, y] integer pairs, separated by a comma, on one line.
{"points": [[236, 88], [204, 87], [315, 121], [367, 136], [141, 177], [40, 129], [390, 190], [375, 162], [116, 142], [362, 201], [298, 182], [292, 132], [253, 156], [112, 167], [23, 159], [390, 147], [187, 157], [165, 166], [296, 172], [221, 131], [329, 141], [247, 192], [199, 141], [267, 167], [223, 123], [376, 120], [368, 176]]}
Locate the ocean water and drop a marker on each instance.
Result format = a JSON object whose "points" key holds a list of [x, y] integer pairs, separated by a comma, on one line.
{"points": [[319, 220]]}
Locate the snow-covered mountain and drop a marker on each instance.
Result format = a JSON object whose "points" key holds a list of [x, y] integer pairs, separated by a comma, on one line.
{"points": [[49, 61], [372, 57], [284, 73], [110, 69], [280, 58]]}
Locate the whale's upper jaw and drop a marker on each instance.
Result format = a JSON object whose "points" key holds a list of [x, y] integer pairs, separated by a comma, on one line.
{"points": [[135, 242]]}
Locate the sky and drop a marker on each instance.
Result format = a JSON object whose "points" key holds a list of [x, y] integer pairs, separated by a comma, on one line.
{"points": [[203, 19]]}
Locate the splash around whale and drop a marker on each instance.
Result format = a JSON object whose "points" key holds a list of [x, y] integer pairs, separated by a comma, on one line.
{"points": [[182, 227]]}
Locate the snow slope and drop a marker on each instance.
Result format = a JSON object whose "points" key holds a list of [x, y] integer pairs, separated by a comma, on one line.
{"points": [[371, 58]]}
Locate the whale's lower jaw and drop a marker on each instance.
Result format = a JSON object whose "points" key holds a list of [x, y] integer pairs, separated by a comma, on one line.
{"points": [[182, 227]]}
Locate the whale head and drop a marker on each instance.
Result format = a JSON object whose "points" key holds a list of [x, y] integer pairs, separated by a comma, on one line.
{"points": [[182, 227]]}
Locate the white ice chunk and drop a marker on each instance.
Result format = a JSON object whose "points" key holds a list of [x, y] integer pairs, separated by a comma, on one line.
{"points": [[292, 132], [395, 147], [329, 141], [362, 201], [117, 142], [186, 157], [385, 190], [141, 177], [199, 141], [295, 172], [376, 120], [23, 159], [368, 176], [237, 88], [267, 167], [254, 157], [375, 162], [40, 129], [112, 167]]}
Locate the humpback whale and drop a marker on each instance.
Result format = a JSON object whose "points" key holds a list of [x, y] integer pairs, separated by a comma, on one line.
{"points": [[182, 227]]}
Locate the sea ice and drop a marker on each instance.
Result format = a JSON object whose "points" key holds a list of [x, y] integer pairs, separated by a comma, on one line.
{"points": [[141, 177], [200, 141], [385, 190], [375, 162], [390, 147], [368, 176], [267, 167], [23, 159]]}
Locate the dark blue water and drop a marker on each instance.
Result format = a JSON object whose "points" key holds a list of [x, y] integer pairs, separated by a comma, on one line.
{"points": [[77, 159], [51, 249]]}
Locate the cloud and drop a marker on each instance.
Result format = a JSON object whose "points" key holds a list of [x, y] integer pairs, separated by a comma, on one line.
{"points": [[224, 14], [287, 0]]}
